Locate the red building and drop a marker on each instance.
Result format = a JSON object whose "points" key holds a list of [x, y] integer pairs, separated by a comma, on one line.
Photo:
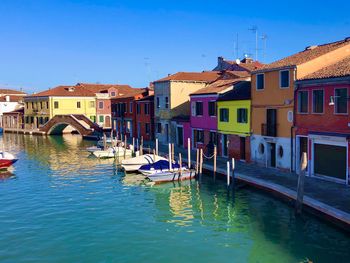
{"points": [[322, 124], [145, 117], [124, 112]]}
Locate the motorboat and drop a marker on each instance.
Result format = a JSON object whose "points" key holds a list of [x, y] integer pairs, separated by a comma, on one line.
{"points": [[160, 166], [93, 149], [168, 176], [135, 163], [113, 152], [6, 160]]}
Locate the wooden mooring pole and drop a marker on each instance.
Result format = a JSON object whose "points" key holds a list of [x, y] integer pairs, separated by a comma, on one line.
{"points": [[215, 153], [180, 163], [228, 173], [233, 172], [189, 152], [301, 181], [197, 161], [201, 162], [170, 160], [157, 146]]}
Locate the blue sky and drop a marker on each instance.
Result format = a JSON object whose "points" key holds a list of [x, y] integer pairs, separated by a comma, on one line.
{"points": [[53, 42]]}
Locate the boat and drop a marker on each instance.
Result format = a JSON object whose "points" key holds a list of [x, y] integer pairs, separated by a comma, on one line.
{"points": [[112, 152], [160, 166], [1, 130], [93, 149], [135, 163], [163, 177], [109, 142], [6, 160]]}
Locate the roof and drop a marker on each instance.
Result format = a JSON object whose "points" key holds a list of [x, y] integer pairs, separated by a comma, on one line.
{"points": [[308, 54], [147, 98], [12, 92], [218, 86], [205, 76], [15, 112], [65, 91], [100, 88], [245, 64], [336, 70], [240, 91], [132, 93], [12, 98]]}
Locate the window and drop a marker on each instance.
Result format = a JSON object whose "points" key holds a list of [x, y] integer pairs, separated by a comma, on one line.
{"points": [[146, 108], [113, 94], [284, 79], [260, 81], [130, 107], [27, 105], [159, 127], [341, 100], [147, 128], [213, 137], [93, 118], [47, 105], [124, 107], [166, 102], [261, 148], [101, 119], [280, 151], [55, 105], [242, 115], [317, 101], [41, 105], [199, 108], [158, 104], [224, 116], [138, 108], [212, 108], [92, 104], [198, 136], [78, 104], [100, 104], [303, 99]]}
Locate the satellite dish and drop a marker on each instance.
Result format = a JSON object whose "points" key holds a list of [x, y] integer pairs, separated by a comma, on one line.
{"points": [[238, 61]]}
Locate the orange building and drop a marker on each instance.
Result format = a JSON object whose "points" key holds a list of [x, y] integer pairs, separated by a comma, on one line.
{"points": [[273, 101]]}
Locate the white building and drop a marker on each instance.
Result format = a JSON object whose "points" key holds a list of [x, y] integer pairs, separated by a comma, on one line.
{"points": [[10, 100]]}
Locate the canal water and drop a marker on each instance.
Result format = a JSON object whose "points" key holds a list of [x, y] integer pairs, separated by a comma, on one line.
{"points": [[60, 205]]}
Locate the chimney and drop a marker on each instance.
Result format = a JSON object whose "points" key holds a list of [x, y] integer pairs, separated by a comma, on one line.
{"points": [[220, 62], [247, 60], [7, 97]]}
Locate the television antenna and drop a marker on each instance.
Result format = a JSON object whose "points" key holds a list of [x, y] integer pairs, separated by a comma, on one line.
{"points": [[254, 30]]}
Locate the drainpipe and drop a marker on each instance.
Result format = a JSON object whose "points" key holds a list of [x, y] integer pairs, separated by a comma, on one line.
{"points": [[292, 128]]}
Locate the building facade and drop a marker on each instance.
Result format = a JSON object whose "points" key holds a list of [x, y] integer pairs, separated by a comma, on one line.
{"points": [[273, 101], [10, 100], [322, 122], [145, 118], [172, 99], [234, 122]]}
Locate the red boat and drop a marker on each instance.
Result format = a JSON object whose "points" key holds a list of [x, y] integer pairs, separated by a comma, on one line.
{"points": [[6, 160]]}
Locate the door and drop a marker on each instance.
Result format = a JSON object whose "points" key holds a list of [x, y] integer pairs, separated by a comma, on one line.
{"points": [[138, 130], [273, 154], [242, 148], [108, 121], [167, 132], [180, 136], [224, 145], [303, 141], [271, 122], [330, 160]]}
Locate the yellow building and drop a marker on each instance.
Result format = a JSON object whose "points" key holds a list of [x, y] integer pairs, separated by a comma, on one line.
{"points": [[62, 100], [234, 122]]}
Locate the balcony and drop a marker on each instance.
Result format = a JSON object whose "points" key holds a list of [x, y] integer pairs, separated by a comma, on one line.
{"points": [[269, 130]]}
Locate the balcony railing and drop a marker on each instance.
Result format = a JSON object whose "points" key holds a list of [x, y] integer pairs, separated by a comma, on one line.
{"points": [[269, 130]]}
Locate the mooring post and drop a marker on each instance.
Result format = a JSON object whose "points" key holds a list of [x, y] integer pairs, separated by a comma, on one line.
{"points": [[215, 151], [201, 162], [133, 145], [104, 141], [124, 146], [180, 163], [233, 172], [228, 173], [141, 149], [189, 152], [301, 180], [197, 161], [154, 156], [137, 144], [172, 152], [170, 163], [157, 146]]}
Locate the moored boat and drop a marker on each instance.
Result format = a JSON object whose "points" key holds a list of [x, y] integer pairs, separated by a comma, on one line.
{"points": [[6, 160], [135, 163], [163, 177], [112, 152], [160, 166], [93, 149]]}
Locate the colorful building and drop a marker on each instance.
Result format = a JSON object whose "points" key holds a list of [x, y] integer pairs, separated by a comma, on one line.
{"points": [[234, 121], [322, 121], [273, 101], [10, 100], [172, 99], [62, 100], [145, 117], [124, 112]]}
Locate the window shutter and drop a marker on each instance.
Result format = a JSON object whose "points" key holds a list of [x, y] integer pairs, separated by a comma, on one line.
{"points": [[193, 108]]}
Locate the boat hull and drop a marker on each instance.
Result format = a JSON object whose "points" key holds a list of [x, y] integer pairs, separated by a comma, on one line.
{"points": [[171, 176], [112, 153], [5, 163], [135, 163]]}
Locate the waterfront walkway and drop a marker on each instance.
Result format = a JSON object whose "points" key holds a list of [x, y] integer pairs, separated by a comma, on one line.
{"points": [[328, 198]]}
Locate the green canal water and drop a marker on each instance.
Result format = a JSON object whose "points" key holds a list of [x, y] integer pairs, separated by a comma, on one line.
{"points": [[59, 205]]}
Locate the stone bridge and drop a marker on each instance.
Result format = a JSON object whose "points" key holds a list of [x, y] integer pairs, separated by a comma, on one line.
{"points": [[80, 122]]}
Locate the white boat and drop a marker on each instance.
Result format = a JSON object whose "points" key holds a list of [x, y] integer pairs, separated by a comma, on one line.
{"points": [[6, 160], [171, 176], [112, 152], [160, 166], [135, 163], [93, 149], [109, 142]]}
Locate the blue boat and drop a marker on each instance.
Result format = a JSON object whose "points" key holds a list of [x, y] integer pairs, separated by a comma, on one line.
{"points": [[159, 167]]}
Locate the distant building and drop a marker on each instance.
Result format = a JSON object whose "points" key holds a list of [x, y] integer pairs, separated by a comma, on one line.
{"points": [[246, 64], [273, 101], [145, 117], [171, 99], [10, 100], [322, 121]]}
